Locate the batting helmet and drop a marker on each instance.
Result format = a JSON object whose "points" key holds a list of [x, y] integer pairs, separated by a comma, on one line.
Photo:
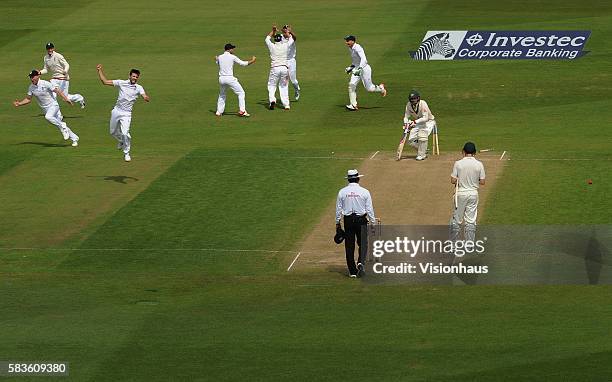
{"points": [[414, 94]]}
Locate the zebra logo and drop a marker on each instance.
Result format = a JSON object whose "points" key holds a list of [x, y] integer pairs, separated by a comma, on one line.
{"points": [[436, 44]]}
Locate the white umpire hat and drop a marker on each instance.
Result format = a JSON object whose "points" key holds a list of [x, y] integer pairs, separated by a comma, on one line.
{"points": [[352, 174]]}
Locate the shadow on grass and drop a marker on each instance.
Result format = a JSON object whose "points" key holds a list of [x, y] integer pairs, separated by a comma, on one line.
{"points": [[44, 144], [115, 178], [360, 107], [225, 112]]}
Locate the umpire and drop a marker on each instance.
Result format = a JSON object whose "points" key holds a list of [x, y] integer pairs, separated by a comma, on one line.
{"points": [[355, 204]]}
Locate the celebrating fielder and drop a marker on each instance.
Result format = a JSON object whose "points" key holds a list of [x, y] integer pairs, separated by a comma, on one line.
{"points": [[421, 122], [279, 69], [291, 62], [46, 96], [58, 66], [226, 63], [359, 70], [468, 174], [121, 116]]}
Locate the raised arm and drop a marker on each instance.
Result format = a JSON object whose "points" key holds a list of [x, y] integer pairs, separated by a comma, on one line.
{"points": [[288, 29], [102, 76], [24, 101]]}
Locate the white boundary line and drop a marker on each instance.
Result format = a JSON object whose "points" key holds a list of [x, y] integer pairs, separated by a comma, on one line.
{"points": [[373, 155], [294, 260], [502, 156]]}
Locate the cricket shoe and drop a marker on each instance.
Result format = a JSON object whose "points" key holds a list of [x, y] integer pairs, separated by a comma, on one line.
{"points": [[360, 270], [243, 114], [297, 95], [272, 104], [218, 114], [287, 107], [352, 107], [127, 157], [75, 143], [383, 91], [353, 276], [421, 157]]}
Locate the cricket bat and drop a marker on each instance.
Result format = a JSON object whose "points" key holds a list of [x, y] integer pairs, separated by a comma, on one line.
{"points": [[400, 148]]}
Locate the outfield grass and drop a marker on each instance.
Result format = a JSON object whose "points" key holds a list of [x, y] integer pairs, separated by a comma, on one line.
{"points": [[145, 280]]}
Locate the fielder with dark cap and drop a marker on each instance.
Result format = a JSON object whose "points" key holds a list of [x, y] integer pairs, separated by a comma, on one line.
{"points": [[468, 174], [279, 67], [46, 95], [226, 63], [58, 66], [359, 70], [354, 203]]}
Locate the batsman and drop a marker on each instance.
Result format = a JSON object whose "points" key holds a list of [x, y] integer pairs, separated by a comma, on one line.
{"points": [[419, 119]]}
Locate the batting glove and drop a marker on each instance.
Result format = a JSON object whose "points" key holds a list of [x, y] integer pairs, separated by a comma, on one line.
{"points": [[349, 69], [357, 72]]}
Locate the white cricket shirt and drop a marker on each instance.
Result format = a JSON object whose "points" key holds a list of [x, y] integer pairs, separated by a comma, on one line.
{"points": [[292, 51], [358, 57], [57, 65], [354, 199], [128, 94], [226, 63], [468, 172], [278, 51], [420, 114], [43, 92]]}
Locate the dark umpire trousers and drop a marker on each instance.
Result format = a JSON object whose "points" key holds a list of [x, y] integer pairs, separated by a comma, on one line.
{"points": [[355, 227]]}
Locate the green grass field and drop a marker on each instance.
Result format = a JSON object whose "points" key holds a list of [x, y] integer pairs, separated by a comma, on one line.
{"points": [[134, 271]]}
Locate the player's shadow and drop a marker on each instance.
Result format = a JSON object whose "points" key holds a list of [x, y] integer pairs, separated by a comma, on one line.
{"points": [[63, 117], [224, 113], [45, 144], [116, 178], [361, 107]]}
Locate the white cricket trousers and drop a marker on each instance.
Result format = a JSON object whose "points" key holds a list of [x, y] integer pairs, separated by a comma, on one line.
{"points": [[232, 83], [64, 86], [53, 115], [425, 130], [279, 76], [366, 78], [120, 128], [465, 211], [292, 63]]}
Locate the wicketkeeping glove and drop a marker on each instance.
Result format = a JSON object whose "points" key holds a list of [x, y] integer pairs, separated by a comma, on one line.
{"points": [[349, 69]]}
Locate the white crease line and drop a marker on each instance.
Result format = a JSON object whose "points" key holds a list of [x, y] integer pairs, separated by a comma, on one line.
{"points": [[145, 249], [372, 157], [294, 260], [502, 156]]}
